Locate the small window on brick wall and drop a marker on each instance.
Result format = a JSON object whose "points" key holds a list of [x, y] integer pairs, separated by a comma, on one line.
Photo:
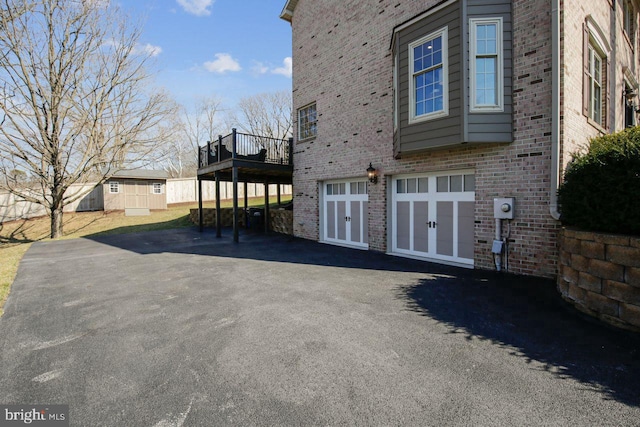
{"points": [[307, 122]]}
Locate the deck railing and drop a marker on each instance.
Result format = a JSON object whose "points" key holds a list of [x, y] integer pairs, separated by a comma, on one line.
{"points": [[242, 146]]}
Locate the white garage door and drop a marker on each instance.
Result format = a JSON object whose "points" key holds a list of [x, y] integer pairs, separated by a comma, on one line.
{"points": [[345, 220], [433, 216]]}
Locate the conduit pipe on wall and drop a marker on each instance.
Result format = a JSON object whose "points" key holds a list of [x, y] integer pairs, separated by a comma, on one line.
{"points": [[555, 109], [497, 255]]}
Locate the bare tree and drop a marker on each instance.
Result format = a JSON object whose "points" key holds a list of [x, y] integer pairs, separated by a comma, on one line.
{"points": [[266, 114], [74, 98], [192, 128]]}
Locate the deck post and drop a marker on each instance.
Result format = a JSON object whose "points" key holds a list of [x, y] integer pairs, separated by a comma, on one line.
{"points": [[234, 143], [266, 205], [235, 204], [234, 172], [218, 213], [279, 203], [246, 206], [200, 212], [290, 151], [218, 150]]}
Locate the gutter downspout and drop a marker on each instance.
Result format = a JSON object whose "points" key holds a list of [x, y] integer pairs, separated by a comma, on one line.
{"points": [[555, 109]]}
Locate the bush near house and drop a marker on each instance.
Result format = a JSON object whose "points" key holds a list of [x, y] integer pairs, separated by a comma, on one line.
{"points": [[601, 189]]}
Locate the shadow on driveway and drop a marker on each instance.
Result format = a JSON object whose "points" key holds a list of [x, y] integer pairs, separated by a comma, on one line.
{"points": [[527, 316], [524, 315]]}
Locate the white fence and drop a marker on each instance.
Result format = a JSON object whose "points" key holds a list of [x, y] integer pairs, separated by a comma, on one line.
{"points": [[185, 190], [182, 190], [13, 207]]}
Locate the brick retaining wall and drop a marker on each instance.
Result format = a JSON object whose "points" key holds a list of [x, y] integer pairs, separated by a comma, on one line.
{"points": [[600, 275]]}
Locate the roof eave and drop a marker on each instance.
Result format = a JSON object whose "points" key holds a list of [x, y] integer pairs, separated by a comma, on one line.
{"points": [[287, 11]]}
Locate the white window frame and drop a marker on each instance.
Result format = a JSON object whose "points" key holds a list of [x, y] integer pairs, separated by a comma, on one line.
{"points": [[413, 118], [595, 83], [156, 185], [473, 54], [114, 185], [300, 112], [598, 43], [629, 21]]}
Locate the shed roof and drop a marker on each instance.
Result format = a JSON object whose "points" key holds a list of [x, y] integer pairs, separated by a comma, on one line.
{"points": [[141, 174]]}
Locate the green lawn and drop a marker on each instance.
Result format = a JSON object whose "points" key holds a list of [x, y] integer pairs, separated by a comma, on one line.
{"points": [[16, 236]]}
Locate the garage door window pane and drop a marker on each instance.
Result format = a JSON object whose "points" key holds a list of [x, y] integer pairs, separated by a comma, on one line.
{"points": [[362, 188], [412, 185], [469, 183], [456, 183], [343, 188], [443, 184], [423, 185], [329, 189], [353, 187], [400, 186]]}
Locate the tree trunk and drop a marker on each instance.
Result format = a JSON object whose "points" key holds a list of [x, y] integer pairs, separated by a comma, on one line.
{"points": [[56, 222]]}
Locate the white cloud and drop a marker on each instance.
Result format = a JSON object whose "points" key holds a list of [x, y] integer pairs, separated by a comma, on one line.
{"points": [[223, 63], [259, 68], [196, 7], [286, 69], [152, 50]]}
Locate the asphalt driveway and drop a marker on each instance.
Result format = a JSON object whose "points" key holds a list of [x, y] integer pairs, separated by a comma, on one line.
{"points": [[178, 328]]}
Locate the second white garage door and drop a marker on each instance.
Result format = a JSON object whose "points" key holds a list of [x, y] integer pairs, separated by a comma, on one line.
{"points": [[345, 209]]}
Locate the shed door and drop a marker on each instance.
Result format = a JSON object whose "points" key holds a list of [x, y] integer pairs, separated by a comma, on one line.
{"points": [[345, 219], [136, 194], [433, 216]]}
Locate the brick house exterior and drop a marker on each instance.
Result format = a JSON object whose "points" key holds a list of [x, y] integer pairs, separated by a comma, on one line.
{"points": [[358, 101]]}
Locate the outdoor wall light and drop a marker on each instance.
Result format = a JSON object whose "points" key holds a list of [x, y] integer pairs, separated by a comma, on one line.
{"points": [[372, 174], [630, 95]]}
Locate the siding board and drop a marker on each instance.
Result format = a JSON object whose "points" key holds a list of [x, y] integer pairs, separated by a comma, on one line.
{"points": [[493, 126], [441, 131]]}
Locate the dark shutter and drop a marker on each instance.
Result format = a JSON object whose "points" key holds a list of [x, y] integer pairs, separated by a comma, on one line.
{"points": [[585, 74]]}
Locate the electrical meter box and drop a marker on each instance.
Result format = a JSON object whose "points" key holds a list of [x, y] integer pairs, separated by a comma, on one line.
{"points": [[504, 207]]}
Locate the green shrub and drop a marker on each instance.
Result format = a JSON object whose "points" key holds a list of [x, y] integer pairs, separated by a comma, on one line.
{"points": [[601, 189]]}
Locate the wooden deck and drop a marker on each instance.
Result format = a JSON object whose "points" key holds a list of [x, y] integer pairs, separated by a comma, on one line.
{"points": [[256, 159], [243, 158]]}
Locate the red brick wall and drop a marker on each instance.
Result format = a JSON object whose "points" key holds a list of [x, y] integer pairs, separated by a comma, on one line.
{"points": [[342, 61]]}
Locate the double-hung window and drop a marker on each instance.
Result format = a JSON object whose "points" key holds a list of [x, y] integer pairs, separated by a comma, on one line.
{"points": [[629, 21], [486, 65], [307, 122], [595, 73], [428, 70], [114, 187], [596, 98]]}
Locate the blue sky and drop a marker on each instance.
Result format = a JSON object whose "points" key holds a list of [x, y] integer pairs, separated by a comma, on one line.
{"points": [[227, 48]]}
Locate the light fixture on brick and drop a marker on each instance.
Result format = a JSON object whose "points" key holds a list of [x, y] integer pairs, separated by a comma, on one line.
{"points": [[372, 174]]}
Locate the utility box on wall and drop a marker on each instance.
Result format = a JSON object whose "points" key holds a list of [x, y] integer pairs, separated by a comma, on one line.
{"points": [[504, 207]]}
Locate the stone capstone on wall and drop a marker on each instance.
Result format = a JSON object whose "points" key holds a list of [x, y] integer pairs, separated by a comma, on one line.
{"points": [[600, 275]]}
